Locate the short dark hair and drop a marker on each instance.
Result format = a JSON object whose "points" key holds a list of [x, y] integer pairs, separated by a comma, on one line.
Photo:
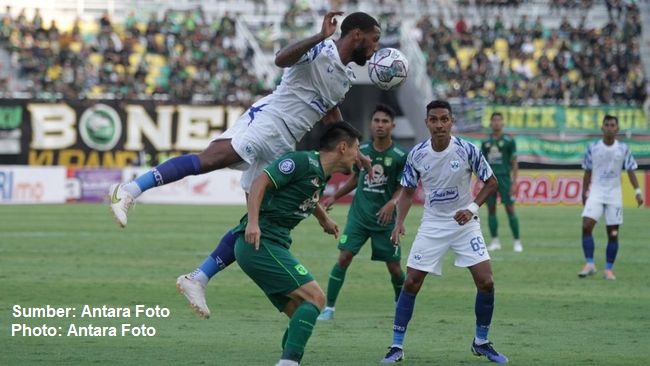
{"points": [[496, 114], [358, 20], [386, 109], [609, 116], [439, 104], [337, 132]]}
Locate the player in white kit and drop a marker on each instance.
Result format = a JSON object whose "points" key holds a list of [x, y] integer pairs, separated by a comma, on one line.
{"points": [[444, 165], [601, 193], [316, 80]]}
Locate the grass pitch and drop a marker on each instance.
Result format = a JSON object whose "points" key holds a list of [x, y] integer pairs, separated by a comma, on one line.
{"points": [[74, 255]]}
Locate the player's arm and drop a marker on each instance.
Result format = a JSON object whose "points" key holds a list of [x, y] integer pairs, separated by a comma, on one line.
{"points": [[404, 201], [329, 226], [255, 197], [490, 186], [346, 188], [637, 190], [586, 182], [333, 115], [385, 214], [290, 54]]}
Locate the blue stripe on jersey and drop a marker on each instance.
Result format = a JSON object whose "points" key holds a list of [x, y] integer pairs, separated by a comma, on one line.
{"points": [[587, 162], [253, 110], [319, 105], [629, 163]]}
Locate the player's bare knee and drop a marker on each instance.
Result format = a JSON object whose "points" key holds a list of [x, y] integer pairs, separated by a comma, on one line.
{"points": [[485, 284], [412, 284], [345, 259], [318, 299]]}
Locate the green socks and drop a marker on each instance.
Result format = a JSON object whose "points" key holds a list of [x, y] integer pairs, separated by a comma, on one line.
{"points": [[514, 225], [337, 276], [300, 328], [397, 284], [493, 223]]}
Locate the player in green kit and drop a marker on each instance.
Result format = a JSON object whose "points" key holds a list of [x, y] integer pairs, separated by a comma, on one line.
{"points": [[501, 152], [284, 194], [372, 212]]}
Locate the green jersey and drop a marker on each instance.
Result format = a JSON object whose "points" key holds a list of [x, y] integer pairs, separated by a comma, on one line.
{"points": [[298, 181], [500, 153], [372, 195]]}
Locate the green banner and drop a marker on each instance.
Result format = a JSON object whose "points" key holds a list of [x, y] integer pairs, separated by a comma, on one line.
{"points": [[572, 119], [531, 149]]}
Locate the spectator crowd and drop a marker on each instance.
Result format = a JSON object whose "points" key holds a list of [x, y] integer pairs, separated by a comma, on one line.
{"points": [[526, 62], [186, 57]]}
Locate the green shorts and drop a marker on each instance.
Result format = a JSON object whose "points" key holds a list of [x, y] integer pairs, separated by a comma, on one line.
{"points": [[273, 268], [355, 236], [505, 183]]}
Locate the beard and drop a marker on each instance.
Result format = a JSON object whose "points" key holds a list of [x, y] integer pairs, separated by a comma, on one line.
{"points": [[359, 56]]}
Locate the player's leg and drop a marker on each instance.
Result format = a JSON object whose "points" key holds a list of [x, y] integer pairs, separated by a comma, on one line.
{"points": [[397, 277], [385, 251], [303, 319], [219, 154], [613, 220], [483, 309], [611, 251], [287, 283], [350, 243], [513, 220], [590, 215], [493, 221], [403, 313], [192, 285]]}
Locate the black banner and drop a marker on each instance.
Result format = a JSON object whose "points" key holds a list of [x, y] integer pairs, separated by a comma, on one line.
{"points": [[110, 134]]}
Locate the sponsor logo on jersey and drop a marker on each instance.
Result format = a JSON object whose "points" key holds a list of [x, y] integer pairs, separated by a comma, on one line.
{"points": [[388, 161], [443, 195], [301, 269], [287, 166]]}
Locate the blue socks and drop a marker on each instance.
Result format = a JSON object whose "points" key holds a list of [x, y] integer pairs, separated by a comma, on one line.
{"points": [[222, 256], [170, 171], [588, 248], [612, 249], [403, 314], [483, 308]]}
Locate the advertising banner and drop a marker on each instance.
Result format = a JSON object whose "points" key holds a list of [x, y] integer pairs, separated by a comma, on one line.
{"points": [[91, 185], [106, 134], [218, 187], [20, 184], [534, 188]]}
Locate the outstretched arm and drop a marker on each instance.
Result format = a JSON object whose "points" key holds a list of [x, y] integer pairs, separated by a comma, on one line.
{"points": [[637, 189], [290, 54]]}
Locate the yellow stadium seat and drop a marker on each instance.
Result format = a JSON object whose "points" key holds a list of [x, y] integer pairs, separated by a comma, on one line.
{"points": [[573, 75], [191, 70], [96, 58], [465, 55], [76, 47], [532, 65], [139, 48], [539, 43], [451, 63]]}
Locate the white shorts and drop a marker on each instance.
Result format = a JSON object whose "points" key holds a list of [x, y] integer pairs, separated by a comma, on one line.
{"points": [[613, 212], [430, 246], [258, 138]]}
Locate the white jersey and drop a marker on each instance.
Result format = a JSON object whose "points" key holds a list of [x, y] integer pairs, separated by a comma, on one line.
{"points": [[312, 86], [606, 163], [445, 178]]}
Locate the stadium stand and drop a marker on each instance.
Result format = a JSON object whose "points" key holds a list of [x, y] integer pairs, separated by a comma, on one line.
{"points": [[209, 53]]}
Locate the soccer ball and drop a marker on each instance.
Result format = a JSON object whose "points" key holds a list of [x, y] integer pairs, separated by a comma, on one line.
{"points": [[388, 68]]}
